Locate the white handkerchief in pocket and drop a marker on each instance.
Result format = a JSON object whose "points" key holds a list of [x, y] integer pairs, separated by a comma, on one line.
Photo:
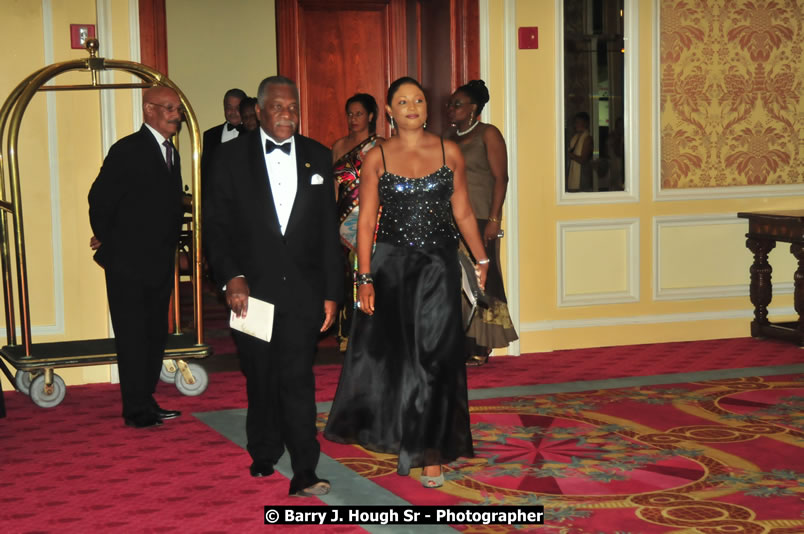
{"points": [[317, 179]]}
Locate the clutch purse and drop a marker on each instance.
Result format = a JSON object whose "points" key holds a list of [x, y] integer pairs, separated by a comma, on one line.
{"points": [[471, 288]]}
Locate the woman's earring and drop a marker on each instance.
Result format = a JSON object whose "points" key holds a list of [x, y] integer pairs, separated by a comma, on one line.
{"points": [[424, 125], [393, 127]]}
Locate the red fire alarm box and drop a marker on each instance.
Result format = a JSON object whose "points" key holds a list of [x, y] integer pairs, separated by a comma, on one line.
{"points": [[79, 33], [528, 38]]}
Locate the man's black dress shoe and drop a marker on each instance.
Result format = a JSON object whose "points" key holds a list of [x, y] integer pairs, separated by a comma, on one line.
{"points": [[261, 469], [143, 420], [161, 413]]}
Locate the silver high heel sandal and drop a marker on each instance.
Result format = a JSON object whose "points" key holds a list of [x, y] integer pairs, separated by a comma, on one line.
{"points": [[432, 482]]}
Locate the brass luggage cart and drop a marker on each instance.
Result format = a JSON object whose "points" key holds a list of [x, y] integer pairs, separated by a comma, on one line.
{"points": [[35, 362]]}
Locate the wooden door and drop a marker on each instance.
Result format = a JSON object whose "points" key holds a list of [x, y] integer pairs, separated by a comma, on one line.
{"points": [[449, 52], [336, 48], [153, 35], [333, 49]]}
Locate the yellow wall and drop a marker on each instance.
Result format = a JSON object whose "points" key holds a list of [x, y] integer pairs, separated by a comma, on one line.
{"points": [[577, 284], [60, 155], [214, 46]]}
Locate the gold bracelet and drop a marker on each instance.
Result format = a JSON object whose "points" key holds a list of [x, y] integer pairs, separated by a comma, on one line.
{"points": [[494, 219]]}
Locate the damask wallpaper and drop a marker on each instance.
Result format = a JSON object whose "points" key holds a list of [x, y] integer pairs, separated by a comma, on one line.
{"points": [[731, 107]]}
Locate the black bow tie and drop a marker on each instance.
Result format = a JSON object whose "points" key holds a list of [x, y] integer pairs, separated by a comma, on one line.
{"points": [[270, 146], [230, 127]]}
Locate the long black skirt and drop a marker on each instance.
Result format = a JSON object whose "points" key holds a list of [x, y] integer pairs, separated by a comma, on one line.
{"points": [[402, 389]]}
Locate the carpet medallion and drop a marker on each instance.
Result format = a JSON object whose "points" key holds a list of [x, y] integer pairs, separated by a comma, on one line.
{"points": [[700, 457]]}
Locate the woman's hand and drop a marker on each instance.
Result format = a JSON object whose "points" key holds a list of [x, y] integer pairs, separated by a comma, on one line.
{"points": [[365, 298], [482, 271], [492, 231]]}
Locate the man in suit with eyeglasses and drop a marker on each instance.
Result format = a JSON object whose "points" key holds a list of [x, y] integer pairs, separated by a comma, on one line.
{"points": [[135, 209]]}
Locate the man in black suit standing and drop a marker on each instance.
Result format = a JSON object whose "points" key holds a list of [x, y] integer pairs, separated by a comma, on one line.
{"points": [[271, 232], [227, 131], [135, 209]]}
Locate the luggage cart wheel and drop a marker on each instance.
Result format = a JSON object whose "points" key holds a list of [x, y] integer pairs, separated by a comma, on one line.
{"points": [[168, 372], [194, 384], [22, 379], [47, 397]]}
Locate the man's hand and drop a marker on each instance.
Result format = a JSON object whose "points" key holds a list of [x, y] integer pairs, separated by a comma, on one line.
{"points": [[94, 243], [330, 309], [237, 295]]}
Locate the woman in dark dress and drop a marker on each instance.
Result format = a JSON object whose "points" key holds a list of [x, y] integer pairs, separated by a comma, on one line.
{"points": [[483, 149], [403, 385]]}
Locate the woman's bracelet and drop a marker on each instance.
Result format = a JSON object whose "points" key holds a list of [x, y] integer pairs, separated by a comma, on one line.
{"points": [[495, 219], [484, 261], [365, 278]]}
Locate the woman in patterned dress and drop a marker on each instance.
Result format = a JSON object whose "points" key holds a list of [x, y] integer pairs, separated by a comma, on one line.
{"points": [[347, 157]]}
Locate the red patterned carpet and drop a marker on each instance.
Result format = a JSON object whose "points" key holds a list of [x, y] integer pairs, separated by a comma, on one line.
{"points": [[714, 456]]}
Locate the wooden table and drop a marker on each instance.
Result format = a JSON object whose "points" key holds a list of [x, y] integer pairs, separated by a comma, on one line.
{"points": [[764, 230]]}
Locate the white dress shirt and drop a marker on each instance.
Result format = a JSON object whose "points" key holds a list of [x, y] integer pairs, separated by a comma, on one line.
{"points": [[160, 139], [227, 134], [283, 177]]}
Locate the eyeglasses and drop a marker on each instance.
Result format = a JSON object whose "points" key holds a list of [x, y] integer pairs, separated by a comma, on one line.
{"points": [[454, 104], [170, 108]]}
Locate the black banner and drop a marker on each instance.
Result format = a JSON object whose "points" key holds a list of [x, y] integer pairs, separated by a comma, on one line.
{"points": [[404, 515]]}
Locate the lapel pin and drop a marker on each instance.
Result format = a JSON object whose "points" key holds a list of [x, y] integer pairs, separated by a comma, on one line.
{"points": [[307, 165]]}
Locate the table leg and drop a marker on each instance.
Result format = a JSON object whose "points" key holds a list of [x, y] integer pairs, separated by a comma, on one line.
{"points": [[797, 249], [761, 288]]}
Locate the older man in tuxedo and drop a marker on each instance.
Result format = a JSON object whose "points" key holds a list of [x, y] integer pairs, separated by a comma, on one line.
{"points": [[135, 209], [229, 130], [271, 233]]}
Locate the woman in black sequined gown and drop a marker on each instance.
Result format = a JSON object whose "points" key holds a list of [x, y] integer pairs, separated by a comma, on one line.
{"points": [[403, 385]]}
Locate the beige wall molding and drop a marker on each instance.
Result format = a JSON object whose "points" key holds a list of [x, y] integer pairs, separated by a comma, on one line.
{"points": [[511, 137], [541, 326], [630, 261], [107, 98], [57, 328], [703, 291], [134, 55]]}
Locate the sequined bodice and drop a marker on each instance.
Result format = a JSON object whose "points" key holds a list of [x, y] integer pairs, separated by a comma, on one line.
{"points": [[416, 212]]}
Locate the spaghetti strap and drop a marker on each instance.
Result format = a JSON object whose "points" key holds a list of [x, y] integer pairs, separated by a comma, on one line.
{"points": [[382, 153], [443, 155]]}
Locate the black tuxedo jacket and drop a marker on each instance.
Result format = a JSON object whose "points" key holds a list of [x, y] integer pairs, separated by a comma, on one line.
{"points": [[212, 140], [296, 271], [135, 209]]}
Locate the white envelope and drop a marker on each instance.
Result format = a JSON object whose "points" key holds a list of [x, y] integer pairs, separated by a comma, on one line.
{"points": [[258, 322], [317, 179]]}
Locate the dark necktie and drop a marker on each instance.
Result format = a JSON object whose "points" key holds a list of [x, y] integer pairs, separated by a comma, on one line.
{"points": [[270, 146], [168, 155], [230, 127]]}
